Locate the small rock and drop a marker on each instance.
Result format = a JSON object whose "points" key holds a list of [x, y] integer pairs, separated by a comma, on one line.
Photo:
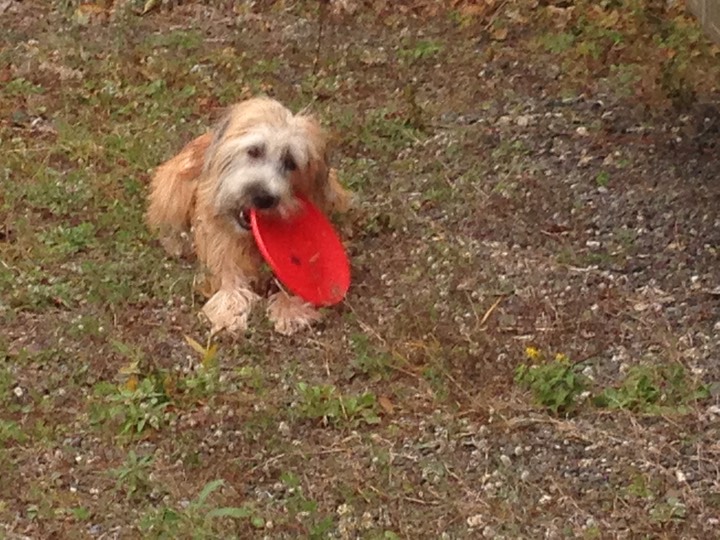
{"points": [[18, 392], [475, 521], [680, 476], [582, 131], [523, 120], [505, 460]]}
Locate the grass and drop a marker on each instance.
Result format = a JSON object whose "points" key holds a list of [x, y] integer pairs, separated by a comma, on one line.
{"points": [[409, 412]]}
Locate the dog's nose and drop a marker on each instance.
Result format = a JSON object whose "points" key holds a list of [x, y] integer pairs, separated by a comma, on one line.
{"points": [[265, 201]]}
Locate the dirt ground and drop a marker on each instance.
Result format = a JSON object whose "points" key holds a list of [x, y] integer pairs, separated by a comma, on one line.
{"points": [[531, 344]]}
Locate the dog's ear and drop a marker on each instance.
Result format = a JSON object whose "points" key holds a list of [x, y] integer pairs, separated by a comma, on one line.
{"points": [[315, 136], [326, 191], [216, 136]]}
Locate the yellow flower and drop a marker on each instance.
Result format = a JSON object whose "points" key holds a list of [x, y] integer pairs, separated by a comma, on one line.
{"points": [[560, 357], [532, 353]]}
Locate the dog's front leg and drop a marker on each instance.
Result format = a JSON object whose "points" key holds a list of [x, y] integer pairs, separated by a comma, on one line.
{"points": [[229, 308], [289, 314], [232, 265]]}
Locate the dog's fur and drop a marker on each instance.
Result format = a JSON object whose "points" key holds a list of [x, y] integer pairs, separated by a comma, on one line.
{"points": [[259, 155]]}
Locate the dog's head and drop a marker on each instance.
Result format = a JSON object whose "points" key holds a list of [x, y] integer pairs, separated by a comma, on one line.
{"points": [[261, 157]]}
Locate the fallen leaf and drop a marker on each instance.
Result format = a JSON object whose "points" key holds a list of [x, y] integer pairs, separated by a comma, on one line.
{"points": [[386, 404], [132, 383], [195, 346], [499, 34], [150, 5], [88, 13]]}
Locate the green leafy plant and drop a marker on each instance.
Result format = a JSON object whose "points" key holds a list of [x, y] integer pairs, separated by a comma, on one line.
{"points": [[136, 406], [653, 389], [426, 48], [206, 379], [556, 385], [10, 431], [133, 477], [299, 506], [325, 403], [368, 361], [198, 519]]}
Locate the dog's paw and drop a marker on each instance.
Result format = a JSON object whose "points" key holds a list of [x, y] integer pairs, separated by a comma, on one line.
{"points": [[289, 314], [229, 310]]}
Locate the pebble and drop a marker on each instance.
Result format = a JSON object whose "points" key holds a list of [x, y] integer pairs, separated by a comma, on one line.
{"points": [[523, 120], [475, 521]]}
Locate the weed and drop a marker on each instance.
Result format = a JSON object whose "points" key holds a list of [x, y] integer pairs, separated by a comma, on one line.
{"points": [[669, 510], [198, 519], [10, 431], [557, 385], [22, 87], [324, 402], [65, 241], [421, 50], [299, 506], [653, 390], [6, 383], [206, 379], [602, 178], [435, 376], [371, 363], [557, 42], [80, 513], [133, 477], [135, 406]]}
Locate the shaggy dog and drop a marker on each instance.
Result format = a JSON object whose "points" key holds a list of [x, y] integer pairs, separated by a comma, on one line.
{"points": [[260, 155]]}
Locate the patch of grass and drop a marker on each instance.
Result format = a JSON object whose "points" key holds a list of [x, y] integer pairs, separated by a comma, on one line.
{"points": [[602, 178], [299, 507], [368, 361], [133, 477], [421, 50], [653, 390], [206, 379], [653, 51], [65, 241], [10, 431], [201, 518], [557, 385], [387, 129], [134, 406], [557, 42], [22, 87], [325, 403]]}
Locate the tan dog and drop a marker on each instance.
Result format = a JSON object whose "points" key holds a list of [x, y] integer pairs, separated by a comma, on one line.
{"points": [[259, 156]]}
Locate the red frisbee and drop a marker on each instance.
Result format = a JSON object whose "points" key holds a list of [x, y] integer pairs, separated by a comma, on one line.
{"points": [[305, 253]]}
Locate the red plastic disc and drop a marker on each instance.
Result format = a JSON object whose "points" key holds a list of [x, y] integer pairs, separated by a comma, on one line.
{"points": [[305, 253]]}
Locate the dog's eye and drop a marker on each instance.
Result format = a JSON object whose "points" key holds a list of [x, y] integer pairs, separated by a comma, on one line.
{"points": [[256, 152], [289, 163]]}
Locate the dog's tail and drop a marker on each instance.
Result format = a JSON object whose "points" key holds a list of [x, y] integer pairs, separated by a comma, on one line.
{"points": [[172, 189]]}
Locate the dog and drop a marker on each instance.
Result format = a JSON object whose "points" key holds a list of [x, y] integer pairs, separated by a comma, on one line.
{"points": [[260, 156]]}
